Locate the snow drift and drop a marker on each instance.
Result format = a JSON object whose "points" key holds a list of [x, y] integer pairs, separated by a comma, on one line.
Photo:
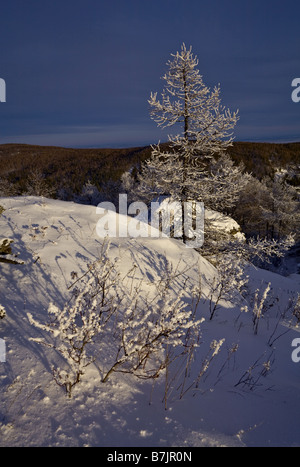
{"points": [[247, 396]]}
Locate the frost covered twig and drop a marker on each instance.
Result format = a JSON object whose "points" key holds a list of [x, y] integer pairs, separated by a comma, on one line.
{"points": [[258, 306], [214, 349], [290, 318], [230, 282], [251, 377]]}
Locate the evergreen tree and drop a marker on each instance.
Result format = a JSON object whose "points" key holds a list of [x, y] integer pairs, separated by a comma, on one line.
{"points": [[183, 171]]}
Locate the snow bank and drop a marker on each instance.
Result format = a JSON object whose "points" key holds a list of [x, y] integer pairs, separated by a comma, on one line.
{"points": [[56, 241]]}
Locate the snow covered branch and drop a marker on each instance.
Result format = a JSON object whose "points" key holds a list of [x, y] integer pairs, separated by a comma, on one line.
{"points": [[103, 311]]}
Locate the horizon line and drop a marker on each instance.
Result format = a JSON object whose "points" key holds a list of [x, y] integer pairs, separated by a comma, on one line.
{"points": [[259, 141]]}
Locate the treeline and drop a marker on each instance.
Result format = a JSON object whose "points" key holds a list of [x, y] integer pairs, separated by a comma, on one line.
{"points": [[64, 168], [71, 168], [264, 159]]}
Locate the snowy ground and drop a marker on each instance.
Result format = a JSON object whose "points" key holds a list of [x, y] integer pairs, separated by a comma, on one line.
{"points": [[54, 239]]}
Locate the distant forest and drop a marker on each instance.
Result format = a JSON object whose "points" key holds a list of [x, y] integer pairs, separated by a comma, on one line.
{"points": [[70, 169]]}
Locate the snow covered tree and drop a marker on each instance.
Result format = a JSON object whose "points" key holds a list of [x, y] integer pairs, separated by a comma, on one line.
{"points": [[248, 212], [182, 170], [7, 188], [282, 213], [38, 185], [187, 100], [89, 194], [268, 208], [220, 189]]}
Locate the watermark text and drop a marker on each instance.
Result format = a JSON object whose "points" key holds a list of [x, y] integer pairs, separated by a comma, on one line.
{"points": [[174, 219], [2, 351], [2, 90], [296, 92], [296, 352]]}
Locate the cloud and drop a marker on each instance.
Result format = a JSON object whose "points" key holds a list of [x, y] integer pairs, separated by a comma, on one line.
{"points": [[89, 136]]}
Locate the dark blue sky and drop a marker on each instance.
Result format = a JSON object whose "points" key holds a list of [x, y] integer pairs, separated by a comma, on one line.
{"points": [[79, 73]]}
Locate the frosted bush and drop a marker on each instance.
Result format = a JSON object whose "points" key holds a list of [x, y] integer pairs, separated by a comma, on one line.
{"points": [[229, 284], [104, 312], [75, 327], [144, 331], [2, 312]]}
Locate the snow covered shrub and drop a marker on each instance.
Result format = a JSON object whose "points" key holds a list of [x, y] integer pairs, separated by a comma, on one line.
{"points": [[257, 311], [74, 329], [89, 194], [6, 255], [214, 349], [38, 185], [262, 252], [5, 248], [296, 311], [129, 186], [230, 282], [122, 327], [251, 378], [259, 251], [231, 259], [2, 312], [145, 329], [289, 317], [7, 189]]}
